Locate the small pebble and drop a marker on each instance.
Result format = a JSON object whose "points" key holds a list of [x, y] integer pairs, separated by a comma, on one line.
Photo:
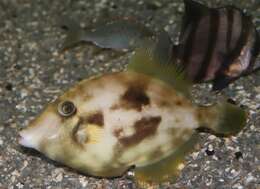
{"points": [[9, 87], [210, 151], [238, 155]]}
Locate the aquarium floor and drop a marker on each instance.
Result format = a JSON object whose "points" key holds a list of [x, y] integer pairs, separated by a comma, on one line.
{"points": [[33, 71]]}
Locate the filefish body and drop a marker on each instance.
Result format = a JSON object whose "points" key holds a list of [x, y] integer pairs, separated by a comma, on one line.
{"points": [[217, 44], [122, 120]]}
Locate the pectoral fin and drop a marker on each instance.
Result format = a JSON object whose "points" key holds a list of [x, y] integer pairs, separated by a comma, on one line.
{"points": [[166, 169], [88, 133]]}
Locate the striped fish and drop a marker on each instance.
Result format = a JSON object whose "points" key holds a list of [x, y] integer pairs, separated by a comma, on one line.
{"points": [[217, 44]]}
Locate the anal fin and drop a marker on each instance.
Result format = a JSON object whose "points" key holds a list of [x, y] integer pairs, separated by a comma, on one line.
{"points": [[167, 169]]}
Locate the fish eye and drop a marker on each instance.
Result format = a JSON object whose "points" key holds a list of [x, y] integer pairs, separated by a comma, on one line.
{"points": [[66, 109]]}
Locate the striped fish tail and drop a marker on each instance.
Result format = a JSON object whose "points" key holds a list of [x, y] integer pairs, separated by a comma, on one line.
{"points": [[75, 33]]}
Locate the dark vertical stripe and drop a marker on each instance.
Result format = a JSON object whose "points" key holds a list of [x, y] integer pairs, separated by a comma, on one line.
{"points": [[245, 32], [193, 13], [257, 44], [230, 15], [254, 65], [230, 24], [213, 35], [189, 44]]}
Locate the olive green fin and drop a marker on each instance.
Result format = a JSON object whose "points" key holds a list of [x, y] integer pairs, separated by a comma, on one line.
{"points": [[232, 119], [167, 169], [223, 119], [144, 61]]}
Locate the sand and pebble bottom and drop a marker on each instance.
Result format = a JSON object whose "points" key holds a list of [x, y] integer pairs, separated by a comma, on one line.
{"points": [[33, 71]]}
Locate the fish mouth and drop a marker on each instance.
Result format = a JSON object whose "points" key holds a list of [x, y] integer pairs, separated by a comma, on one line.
{"points": [[26, 140]]}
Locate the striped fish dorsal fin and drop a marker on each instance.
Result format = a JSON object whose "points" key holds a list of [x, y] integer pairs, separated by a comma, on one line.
{"points": [[193, 12], [145, 61]]}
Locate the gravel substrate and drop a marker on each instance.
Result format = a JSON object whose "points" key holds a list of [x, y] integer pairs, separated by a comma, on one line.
{"points": [[33, 71]]}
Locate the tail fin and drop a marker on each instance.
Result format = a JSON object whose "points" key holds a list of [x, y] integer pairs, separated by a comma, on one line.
{"points": [[74, 35], [229, 119]]}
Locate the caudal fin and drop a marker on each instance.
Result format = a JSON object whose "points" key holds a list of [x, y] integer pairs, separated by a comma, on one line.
{"points": [[226, 119], [74, 35]]}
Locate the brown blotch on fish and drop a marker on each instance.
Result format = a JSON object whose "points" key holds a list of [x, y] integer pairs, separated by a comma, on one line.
{"points": [[144, 128], [135, 97], [118, 132], [96, 118], [179, 102]]}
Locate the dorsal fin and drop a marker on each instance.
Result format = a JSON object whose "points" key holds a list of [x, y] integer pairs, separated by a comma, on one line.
{"points": [[146, 62], [193, 11], [194, 8]]}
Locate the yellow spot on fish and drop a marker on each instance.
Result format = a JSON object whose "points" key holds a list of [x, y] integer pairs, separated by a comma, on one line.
{"points": [[94, 133], [90, 133]]}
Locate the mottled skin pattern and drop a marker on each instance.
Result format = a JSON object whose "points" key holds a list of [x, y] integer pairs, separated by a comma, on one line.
{"points": [[122, 119]]}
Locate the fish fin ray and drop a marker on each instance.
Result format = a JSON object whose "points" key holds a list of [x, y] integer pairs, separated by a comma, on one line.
{"points": [[229, 119], [89, 133], [164, 48], [144, 61], [95, 133], [168, 168]]}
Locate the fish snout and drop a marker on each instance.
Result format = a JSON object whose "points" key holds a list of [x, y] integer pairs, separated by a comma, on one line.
{"points": [[26, 140], [40, 129]]}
